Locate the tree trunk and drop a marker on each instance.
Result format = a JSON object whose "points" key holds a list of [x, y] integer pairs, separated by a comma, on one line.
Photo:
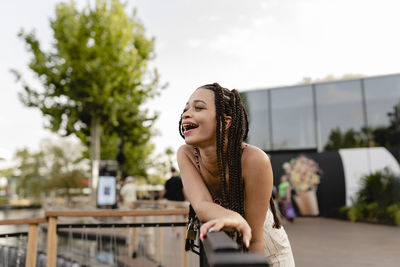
{"points": [[94, 156]]}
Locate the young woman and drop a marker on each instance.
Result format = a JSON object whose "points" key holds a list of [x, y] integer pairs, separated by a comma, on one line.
{"points": [[229, 183]]}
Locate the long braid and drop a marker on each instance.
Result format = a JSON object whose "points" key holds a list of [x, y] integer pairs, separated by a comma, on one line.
{"points": [[238, 145], [221, 153]]}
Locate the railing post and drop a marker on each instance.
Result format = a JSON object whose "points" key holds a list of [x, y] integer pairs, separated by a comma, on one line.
{"points": [[185, 253], [51, 258], [160, 241], [133, 232], [31, 250]]}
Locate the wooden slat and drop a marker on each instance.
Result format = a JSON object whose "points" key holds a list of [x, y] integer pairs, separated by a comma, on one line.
{"points": [[51, 258], [160, 242], [23, 221], [184, 253], [114, 213], [31, 249]]}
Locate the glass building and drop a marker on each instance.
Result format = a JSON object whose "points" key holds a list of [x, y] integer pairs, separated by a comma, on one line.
{"points": [[303, 117]]}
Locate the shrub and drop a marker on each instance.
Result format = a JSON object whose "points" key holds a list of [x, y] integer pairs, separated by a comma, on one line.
{"points": [[378, 199]]}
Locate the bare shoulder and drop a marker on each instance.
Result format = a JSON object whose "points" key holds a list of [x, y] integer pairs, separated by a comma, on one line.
{"points": [[256, 170], [184, 152], [253, 156], [185, 148]]}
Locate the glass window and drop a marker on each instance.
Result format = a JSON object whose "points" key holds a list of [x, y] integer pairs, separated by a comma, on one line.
{"points": [[382, 94], [256, 103], [339, 105], [293, 118]]}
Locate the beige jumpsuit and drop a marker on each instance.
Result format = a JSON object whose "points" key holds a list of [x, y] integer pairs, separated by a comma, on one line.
{"points": [[276, 244]]}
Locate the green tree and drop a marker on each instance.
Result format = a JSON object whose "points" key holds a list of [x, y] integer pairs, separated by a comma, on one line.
{"points": [[169, 152], [394, 128], [348, 139], [388, 136], [64, 169], [95, 78], [31, 174], [55, 167]]}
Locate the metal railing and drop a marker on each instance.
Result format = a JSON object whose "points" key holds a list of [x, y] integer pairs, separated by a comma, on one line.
{"points": [[218, 250]]}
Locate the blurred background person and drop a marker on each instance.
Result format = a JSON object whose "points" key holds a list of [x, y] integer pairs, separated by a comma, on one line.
{"points": [[173, 191], [128, 193], [285, 198], [173, 188]]}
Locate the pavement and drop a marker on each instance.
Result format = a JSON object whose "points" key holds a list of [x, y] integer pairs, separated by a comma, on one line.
{"points": [[324, 242], [318, 241]]}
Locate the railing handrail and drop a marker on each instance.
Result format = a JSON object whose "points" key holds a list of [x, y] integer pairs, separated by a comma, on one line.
{"points": [[114, 213], [218, 249], [23, 221]]}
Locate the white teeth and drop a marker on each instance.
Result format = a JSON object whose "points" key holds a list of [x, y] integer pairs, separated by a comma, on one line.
{"points": [[189, 126]]}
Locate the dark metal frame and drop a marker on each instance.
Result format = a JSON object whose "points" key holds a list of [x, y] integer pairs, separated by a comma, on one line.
{"points": [[218, 250]]}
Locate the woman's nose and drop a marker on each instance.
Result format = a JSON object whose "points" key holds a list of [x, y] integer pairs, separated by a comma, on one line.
{"points": [[186, 114]]}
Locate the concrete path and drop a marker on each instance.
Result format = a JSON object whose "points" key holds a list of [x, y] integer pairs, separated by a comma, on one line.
{"points": [[330, 242]]}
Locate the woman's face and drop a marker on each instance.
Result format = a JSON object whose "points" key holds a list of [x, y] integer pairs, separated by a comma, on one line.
{"points": [[198, 118]]}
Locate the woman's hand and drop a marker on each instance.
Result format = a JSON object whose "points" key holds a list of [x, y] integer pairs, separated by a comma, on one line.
{"points": [[237, 223]]}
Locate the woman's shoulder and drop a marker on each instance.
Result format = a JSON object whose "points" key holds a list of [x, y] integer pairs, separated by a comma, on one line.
{"points": [[185, 150], [253, 155]]}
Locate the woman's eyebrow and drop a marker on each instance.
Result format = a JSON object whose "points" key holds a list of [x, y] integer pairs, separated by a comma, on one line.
{"points": [[200, 101]]}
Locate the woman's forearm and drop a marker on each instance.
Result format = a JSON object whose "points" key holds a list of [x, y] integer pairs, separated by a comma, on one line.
{"points": [[257, 246], [207, 211]]}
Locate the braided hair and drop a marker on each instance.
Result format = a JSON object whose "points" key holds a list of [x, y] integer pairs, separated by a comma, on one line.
{"points": [[229, 103]]}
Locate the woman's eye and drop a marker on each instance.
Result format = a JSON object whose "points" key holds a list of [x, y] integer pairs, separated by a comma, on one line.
{"points": [[198, 108]]}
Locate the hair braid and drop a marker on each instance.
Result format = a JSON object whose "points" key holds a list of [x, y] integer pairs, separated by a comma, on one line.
{"points": [[221, 153]]}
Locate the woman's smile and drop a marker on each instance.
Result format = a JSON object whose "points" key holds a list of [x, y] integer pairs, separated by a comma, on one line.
{"points": [[188, 127]]}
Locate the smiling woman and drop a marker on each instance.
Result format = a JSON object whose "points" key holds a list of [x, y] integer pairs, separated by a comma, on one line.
{"points": [[229, 182]]}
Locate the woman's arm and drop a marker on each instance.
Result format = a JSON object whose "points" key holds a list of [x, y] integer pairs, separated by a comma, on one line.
{"points": [[215, 216], [258, 179]]}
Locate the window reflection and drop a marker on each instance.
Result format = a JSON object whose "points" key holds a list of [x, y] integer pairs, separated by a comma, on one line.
{"points": [[339, 107], [381, 94], [256, 103], [292, 118]]}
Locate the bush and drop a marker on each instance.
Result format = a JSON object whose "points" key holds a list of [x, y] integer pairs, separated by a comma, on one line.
{"points": [[394, 213], [378, 199]]}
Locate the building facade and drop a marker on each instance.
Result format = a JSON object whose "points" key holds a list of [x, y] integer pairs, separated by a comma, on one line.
{"points": [[302, 117], [327, 136]]}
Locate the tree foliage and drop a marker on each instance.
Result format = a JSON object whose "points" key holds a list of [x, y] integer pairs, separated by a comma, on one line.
{"points": [[31, 177], [54, 167], [387, 136], [348, 139], [96, 69]]}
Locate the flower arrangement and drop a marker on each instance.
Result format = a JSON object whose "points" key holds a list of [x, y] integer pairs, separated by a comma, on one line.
{"points": [[303, 173]]}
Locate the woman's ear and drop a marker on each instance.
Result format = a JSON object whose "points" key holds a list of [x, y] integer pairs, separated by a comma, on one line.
{"points": [[228, 122]]}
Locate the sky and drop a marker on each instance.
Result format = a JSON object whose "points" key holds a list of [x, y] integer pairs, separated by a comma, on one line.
{"points": [[246, 45]]}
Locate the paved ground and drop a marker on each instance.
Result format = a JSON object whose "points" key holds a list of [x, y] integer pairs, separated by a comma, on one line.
{"points": [[330, 242], [323, 242]]}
